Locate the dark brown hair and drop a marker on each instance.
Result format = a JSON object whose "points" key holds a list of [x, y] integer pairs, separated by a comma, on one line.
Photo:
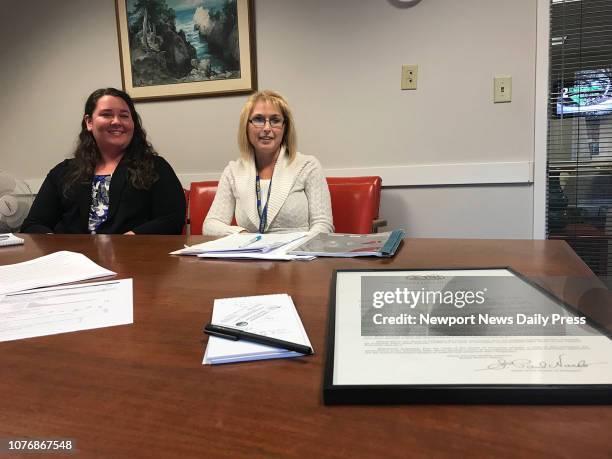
{"points": [[138, 154]]}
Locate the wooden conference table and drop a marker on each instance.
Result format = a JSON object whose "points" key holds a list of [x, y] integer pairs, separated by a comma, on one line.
{"points": [[141, 390]]}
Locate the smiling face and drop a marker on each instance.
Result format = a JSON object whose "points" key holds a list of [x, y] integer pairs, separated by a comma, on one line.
{"points": [[266, 140], [111, 125]]}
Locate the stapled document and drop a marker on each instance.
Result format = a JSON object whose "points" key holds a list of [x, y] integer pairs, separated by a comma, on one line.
{"points": [[274, 316], [48, 311], [244, 245], [57, 268]]}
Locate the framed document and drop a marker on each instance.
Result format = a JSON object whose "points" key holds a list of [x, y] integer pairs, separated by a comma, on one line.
{"points": [[460, 336]]}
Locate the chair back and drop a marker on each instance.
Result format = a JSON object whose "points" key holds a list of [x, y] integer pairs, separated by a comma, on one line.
{"points": [[201, 197], [355, 202], [186, 210]]}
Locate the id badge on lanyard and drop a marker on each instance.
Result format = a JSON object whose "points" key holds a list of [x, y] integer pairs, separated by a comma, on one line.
{"points": [[263, 213]]}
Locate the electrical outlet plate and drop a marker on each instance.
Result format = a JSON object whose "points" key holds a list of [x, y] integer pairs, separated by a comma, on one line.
{"points": [[502, 88], [409, 76]]}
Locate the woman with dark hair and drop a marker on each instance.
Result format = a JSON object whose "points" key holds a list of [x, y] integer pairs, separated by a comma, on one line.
{"points": [[115, 184]]}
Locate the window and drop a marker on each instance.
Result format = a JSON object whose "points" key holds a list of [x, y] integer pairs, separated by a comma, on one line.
{"points": [[579, 154]]}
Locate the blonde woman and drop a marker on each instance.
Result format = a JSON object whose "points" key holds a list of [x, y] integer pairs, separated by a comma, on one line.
{"points": [[271, 187]]}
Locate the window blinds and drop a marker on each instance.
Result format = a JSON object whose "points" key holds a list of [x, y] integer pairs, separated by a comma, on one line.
{"points": [[579, 166]]}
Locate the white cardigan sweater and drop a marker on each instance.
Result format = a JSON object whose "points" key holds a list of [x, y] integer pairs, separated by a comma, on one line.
{"points": [[299, 198]]}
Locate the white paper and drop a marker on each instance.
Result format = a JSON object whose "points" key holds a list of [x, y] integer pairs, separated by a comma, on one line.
{"points": [[280, 253], [53, 310], [54, 269], [9, 239], [242, 243], [274, 316], [408, 360]]}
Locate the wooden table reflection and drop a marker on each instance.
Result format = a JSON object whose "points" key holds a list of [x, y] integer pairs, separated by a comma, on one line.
{"points": [[141, 391]]}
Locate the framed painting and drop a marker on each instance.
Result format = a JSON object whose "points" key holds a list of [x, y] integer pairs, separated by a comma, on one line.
{"points": [[186, 48]]}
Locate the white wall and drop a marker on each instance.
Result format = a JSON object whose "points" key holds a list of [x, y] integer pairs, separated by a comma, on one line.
{"points": [[338, 62], [480, 211]]}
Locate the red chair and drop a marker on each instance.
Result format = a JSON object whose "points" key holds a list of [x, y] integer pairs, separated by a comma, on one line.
{"points": [[201, 197], [355, 202], [186, 210]]}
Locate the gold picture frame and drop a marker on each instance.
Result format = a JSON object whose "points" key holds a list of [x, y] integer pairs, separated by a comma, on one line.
{"points": [[183, 48]]}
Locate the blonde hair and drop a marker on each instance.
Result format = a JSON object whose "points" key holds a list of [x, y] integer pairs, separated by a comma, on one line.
{"points": [[277, 101]]}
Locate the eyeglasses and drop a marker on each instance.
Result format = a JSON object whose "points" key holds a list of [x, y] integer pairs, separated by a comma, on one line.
{"points": [[260, 121]]}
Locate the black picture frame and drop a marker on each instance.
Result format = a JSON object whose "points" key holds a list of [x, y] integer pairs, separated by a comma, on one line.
{"points": [[562, 394]]}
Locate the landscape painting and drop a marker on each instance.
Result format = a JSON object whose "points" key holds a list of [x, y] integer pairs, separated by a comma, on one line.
{"points": [[185, 48]]}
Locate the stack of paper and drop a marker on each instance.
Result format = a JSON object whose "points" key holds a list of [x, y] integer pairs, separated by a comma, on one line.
{"points": [[26, 310], [274, 316], [48, 311], [7, 239], [54, 269], [244, 245]]}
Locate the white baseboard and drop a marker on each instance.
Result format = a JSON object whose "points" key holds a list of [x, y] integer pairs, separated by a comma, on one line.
{"points": [[445, 174]]}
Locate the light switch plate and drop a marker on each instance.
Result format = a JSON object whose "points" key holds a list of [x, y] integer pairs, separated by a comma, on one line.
{"points": [[409, 76], [502, 88]]}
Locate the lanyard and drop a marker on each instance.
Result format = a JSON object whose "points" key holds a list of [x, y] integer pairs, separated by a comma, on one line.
{"points": [[263, 214]]}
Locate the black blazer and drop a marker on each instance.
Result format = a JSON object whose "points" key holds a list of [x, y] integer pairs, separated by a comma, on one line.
{"points": [[158, 210]]}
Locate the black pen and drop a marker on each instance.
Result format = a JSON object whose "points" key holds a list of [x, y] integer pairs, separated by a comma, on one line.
{"points": [[234, 334]]}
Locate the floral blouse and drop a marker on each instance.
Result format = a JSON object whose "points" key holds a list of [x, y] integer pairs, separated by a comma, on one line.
{"points": [[98, 213]]}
